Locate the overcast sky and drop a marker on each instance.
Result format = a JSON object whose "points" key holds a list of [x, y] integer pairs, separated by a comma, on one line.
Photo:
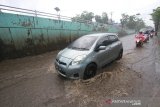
{"points": [[72, 7]]}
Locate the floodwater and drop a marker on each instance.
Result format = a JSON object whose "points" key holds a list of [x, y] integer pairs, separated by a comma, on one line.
{"points": [[33, 82]]}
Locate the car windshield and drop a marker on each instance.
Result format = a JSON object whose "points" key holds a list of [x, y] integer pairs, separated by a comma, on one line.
{"points": [[83, 43]]}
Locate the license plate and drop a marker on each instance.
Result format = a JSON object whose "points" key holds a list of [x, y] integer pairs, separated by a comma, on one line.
{"points": [[60, 69]]}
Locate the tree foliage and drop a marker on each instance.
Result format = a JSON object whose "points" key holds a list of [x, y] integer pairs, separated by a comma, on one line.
{"points": [[98, 18], [88, 16], [156, 18], [84, 16], [124, 19], [132, 22], [102, 19], [139, 24]]}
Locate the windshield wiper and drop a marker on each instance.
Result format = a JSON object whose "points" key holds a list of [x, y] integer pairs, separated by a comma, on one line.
{"points": [[84, 48], [73, 47]]}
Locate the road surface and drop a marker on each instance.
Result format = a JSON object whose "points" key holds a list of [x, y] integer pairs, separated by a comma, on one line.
{"points": [[33, 82]]}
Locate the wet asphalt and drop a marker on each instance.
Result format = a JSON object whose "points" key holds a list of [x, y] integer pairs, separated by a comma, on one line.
{"points": [[33, 82]]}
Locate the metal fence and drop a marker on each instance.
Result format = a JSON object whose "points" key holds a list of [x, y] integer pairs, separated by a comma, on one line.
{"points": [[16, 10]]}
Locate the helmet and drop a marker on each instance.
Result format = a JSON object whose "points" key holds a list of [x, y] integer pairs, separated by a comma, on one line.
{"points": [[140, 32]]}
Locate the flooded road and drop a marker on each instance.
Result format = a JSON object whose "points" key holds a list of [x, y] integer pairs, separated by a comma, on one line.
{"points": [[33, 82]]}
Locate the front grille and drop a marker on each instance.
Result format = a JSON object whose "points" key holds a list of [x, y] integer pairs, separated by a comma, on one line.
{"points": [[61, 71]]}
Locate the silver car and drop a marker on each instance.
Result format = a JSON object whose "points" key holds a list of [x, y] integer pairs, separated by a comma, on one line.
{"points": [[83, 57]]}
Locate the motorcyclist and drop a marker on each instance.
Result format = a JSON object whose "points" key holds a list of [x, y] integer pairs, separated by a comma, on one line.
{"points": [[141, 36], [152, 31]]}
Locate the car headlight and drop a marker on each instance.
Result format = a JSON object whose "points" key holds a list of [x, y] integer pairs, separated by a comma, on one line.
{"points": [[78, 60]]}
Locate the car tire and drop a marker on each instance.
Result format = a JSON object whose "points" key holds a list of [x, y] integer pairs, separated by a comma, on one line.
{"points": [[90, 71], [120, 54]]}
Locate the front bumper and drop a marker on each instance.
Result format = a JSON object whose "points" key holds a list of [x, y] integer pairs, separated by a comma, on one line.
{"points": [[69, 71]]}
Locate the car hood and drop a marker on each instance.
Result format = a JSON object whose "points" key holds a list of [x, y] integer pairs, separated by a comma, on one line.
{"points": [[72, 53]]}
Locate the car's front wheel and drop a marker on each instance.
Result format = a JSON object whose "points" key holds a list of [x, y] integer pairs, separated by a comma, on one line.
{"points": [[120, 54], [90, 71]]}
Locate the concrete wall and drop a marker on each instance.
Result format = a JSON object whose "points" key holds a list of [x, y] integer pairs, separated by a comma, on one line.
{"points": [[22, 35], [28, 35]]}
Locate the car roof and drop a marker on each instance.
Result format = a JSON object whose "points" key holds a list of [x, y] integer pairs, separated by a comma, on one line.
{"points": [[101, 34]]}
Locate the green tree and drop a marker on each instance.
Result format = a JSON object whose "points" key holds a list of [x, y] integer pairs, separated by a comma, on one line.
{"points": [[139, 24], [104, 18], [156, 18], [98, 18], [132, 22], [76, 18], [85, 16], [124, 19]]}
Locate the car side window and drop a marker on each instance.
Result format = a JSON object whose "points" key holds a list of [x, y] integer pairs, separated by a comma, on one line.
{"points": [[104, 41], [113, 38]]}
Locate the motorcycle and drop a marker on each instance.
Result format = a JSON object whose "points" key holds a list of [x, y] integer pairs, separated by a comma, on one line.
{"points": [[151, 35], [139, 41]]}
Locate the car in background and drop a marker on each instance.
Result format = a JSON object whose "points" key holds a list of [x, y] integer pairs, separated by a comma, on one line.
{"points": [[83, 57], [146, 34]]}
